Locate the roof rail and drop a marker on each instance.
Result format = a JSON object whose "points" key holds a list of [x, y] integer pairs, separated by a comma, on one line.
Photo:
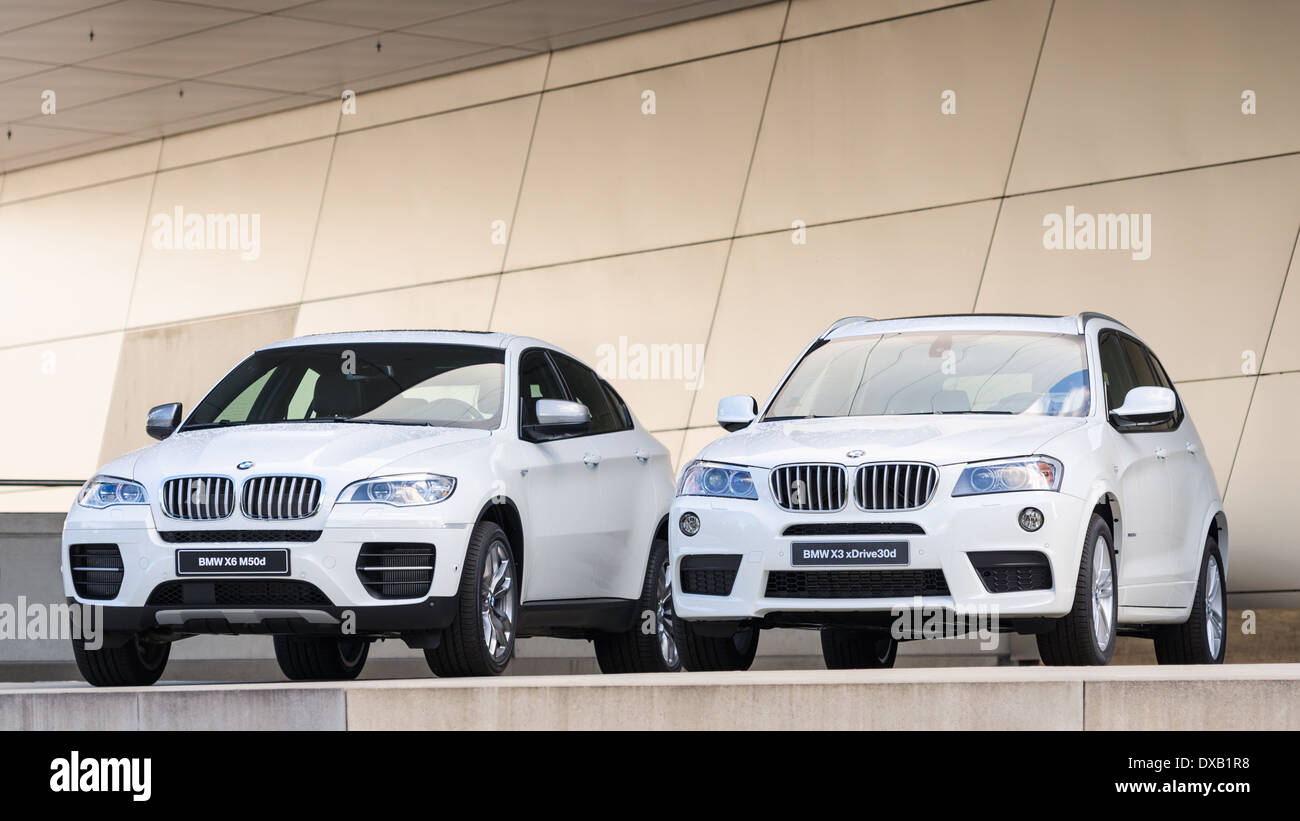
{"points": [[842, 321], [1087, 315]]}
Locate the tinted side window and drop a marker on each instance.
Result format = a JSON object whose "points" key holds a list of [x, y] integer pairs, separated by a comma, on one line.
{"points": [[1143, 376], [588, 389], [537, 380], [1157, 376], [1115, 374], [620, 407]]}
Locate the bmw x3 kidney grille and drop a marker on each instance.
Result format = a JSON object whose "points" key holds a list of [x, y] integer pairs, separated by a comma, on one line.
{"points": [[199, 498], [895, 485], [280, 497], [809, 488]]}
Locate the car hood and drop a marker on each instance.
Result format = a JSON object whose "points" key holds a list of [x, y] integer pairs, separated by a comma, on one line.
{"points": [[941, 439], [330, 450]]}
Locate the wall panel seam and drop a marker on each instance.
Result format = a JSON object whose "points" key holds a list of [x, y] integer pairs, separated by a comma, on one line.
{"points": [[735, 225], [1015, 146]]}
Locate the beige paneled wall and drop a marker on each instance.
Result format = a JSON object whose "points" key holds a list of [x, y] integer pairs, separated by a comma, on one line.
{"points": [[686, 207]]}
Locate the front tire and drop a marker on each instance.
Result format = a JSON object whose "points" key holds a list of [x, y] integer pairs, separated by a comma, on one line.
{"points": [[848, 649], [642, 650], [1203, 638], [305, 658], [137, 663], [1086, 635], [712, 653], [481, 639]]}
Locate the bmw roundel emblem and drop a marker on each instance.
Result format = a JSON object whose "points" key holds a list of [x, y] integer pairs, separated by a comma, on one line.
{"points": [[854, 454], [244, 465]]}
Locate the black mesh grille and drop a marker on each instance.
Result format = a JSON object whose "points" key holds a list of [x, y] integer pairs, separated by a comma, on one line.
{"points": [[237, 593], [855, 529], [1012, 571], [96, 570], [854, 584], [707, 575], [396, 570], [227, 536]]}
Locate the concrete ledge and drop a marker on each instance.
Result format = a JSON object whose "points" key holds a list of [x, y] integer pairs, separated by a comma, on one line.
{"points": [[1252, 697]]}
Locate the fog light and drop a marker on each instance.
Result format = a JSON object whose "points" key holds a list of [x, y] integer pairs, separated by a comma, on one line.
{"points": [[1031, 518], [689, 523]]}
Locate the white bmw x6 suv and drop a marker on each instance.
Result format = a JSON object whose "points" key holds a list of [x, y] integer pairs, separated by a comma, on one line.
{"points": [[1036, 471], [457, 490]]}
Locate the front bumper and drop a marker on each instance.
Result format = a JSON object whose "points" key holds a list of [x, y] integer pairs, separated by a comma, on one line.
{"points": [[329, 564], [953, 529]]}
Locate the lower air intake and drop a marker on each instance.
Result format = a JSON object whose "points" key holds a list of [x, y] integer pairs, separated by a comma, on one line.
{"points": [[854, 584]]}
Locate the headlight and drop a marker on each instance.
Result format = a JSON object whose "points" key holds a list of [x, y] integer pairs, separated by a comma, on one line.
{"points": [[706, 479], [400, 491], [1033, 473], [106, 491]]}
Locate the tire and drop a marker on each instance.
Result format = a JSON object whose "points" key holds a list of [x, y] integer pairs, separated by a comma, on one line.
{"points": [[137, 663], [1191, 642], [1073, 639], [708, 653], [484, 604], [639, 651], [848, 649], [304, 658]]}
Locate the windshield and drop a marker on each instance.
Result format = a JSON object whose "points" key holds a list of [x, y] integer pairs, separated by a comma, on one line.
{"points": [[395, 383], [923, 373]]}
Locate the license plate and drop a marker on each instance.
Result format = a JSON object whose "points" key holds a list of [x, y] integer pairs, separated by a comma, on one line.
{"points": [[197, 562], [848, 553]]}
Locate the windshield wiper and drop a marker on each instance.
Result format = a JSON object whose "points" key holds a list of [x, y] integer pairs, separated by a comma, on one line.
{"points": [[224, 423]]}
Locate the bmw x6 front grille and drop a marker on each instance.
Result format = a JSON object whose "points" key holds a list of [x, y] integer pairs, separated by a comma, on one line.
{"points": [[198, 498], [280, 497]]}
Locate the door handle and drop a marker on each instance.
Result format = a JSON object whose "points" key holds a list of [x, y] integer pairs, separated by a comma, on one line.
{"points": [[1192, 449], [591, 459], [1161, 453], [641, 455]]}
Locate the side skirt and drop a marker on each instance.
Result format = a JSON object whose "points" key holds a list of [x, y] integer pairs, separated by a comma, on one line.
{"points": [[576, 618]]}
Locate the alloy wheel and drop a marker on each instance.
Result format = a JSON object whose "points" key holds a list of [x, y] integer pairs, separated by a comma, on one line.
{"points": [[664, 617], [1103, 595], [497, 601], [1214, 606]]}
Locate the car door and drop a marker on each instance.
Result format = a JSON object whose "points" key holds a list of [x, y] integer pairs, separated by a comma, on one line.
{"points": [[619, 469], [562, 493], [1139, 458], [1191, 488]]}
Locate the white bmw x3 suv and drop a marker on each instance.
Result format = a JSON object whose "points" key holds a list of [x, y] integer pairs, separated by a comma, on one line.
{"points": [[1039, 472], [456, 490]]}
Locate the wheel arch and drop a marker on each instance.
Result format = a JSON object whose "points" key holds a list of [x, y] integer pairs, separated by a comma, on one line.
{"points": [[502, 511], [1217, 526]]}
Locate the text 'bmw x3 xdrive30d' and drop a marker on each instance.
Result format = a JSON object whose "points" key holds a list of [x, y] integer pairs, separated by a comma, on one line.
{"points": [[1038, 471], [455, 490]]}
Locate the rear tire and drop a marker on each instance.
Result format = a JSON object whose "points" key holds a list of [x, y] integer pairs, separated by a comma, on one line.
{"points": [[309, 658], [1086, 635], [712, 653], [137, 663], [848, 649], [481, 639], [1194, 641], [650, 646]]}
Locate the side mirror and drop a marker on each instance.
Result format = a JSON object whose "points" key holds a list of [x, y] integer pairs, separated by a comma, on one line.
{"points": [[560, 416], [1145, 407], [736, 412], [163, 419]]}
